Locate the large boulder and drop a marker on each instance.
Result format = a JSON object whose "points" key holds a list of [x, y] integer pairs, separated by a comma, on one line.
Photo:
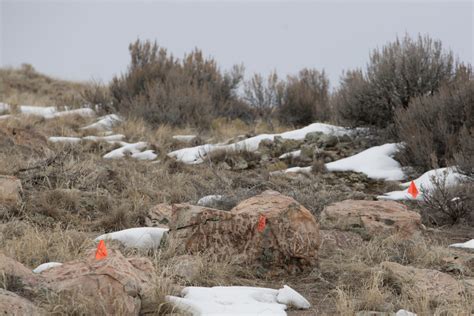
{"points": [[114, 285], [159, 216], [372, 217], [14, 270], [10, 190], [13, 304], [416, 283], [269, 230]]}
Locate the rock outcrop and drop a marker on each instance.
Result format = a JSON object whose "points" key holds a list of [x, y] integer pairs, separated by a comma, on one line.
{"points": [[372, 217], [269, 230], [416, 283], [115, 284], [13, 304], [112, 286]]}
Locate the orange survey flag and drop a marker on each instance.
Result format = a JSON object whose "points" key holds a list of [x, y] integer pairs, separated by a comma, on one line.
{"points": [[101, 252], [413, 190], [262, 222]]}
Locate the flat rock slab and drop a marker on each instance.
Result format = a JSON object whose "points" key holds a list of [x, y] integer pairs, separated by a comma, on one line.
{"points": [[372, 217]]}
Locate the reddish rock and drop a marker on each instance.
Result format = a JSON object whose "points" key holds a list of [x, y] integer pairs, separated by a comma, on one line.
{"points": [[372, 217], [159, 216], [13, 304], [416, 283], [287, 238], [114, 285]]}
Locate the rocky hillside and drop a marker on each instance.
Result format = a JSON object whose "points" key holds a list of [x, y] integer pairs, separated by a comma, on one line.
{"points": [[294, 217]]}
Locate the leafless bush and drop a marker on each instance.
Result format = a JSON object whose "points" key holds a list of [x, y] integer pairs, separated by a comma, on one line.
{"points": [[162, 89], [443, 201], [436, 129], [397, 73], [305, 98], [264, 96], [98, 97]]}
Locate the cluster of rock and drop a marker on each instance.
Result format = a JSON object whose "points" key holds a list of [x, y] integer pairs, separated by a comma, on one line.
{"points": [[267, 232], [346, 224], [316, 146]]}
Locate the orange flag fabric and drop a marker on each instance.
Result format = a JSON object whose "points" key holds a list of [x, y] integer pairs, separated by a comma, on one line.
{"points": [[412, 189], [262, 222], [101, 252]]}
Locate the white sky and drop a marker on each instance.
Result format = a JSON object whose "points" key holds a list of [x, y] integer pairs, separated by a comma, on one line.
{"points": [[84, 40]]}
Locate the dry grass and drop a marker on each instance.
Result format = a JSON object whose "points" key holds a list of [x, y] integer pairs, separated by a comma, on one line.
{"points": [[71, 195], [33, 246], [26, 86]]}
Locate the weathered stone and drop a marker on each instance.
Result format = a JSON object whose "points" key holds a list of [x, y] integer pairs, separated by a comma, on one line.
{"points": [[372, 217], [327, 140], [10, 190], [13, 304], [15, 270], [289, 239], [313, 137], [459, 262], [119, 282], [159, 216], [416, 283]]}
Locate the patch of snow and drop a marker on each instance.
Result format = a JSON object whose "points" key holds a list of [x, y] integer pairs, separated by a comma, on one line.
{"points": [[425, 184], [145, 155], [49, 112], [46, 266], [46, 111], [109, 138], [61, 139], [4, 107], [140, 237], [292, 154], [376, 162], [208, 199], [468, 244], [292, 170], [80, 112], [126, 149], [105, 122], [403, 312], [194, 155], [5, 116], [290, 297], [236, 300], [184, 138]]}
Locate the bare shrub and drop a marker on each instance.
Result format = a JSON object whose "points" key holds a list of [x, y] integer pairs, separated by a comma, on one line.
{"points": [[443, 201], [305, 98], [397, 73], [437, 129], [97, 96], [161, 89], [464, 157], [263, 95]]}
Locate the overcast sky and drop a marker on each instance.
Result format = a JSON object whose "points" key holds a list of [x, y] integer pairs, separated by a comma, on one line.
{"points": [[85, 40]]}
